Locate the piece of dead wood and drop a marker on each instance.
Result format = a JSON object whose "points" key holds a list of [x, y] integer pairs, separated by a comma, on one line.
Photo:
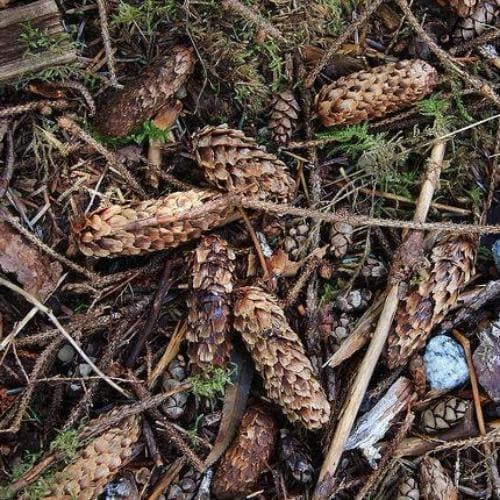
{"points": [[373, 425], [36, 272], [404, 262], [166, 480], [15, 60]]}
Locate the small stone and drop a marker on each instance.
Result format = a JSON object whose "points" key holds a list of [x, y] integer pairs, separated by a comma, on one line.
{"points": [[84, 369], [445, 364], [65, 354], [495, 251], [123, 488]]}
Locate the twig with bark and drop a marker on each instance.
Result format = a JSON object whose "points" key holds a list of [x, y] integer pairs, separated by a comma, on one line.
{"points": [[8, 169]]}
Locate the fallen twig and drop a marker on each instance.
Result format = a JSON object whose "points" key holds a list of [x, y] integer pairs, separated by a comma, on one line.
{"points": [[103, 18], [35, 105], [8, 169]]}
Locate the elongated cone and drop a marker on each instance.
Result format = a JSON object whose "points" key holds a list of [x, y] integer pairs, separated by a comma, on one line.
{"points": [[279, 356], [435, 484], [210, 303], [96, 464], [374, 93], [443, 414], [284, 116], [121, 112], [148, 226], [478, 21], [233, 162], [462, 8], [451, 267], [248, 456]]}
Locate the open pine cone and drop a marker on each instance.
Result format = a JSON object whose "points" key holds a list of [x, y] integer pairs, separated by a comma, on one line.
{"points": [[233, 162], [477, 21], [452, 266], [248, 456], [374, 93], [210, 303], [97, 463], [279, 356], [121, 112], [284, 117], [148, 226]]}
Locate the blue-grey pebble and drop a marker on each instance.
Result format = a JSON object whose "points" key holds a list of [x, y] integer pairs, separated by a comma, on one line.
{"points": [[445, 363], [495, 251]]}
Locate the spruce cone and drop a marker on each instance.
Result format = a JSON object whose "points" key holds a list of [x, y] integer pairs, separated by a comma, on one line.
{"points": [[297, 239], [443, 415], [435, 484], [175, 406], [284, 117], [462, 8], [97, 463], [408, 489], [247, 457], [374, 93], [296, 458], [210, 303], [148, 226], [141, 98], [279, 356], [477, 22], [340, 236], [233, 162], [452, 265]]}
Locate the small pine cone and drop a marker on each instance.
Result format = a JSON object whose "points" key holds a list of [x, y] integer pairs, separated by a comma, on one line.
{"points": [[296, 458], [284, 116], [297, 238], [248, 456], [186, 487], [435, 484], [279, 356], [373, 269], [353, 300], [340, 236], [121, 112], [462, 8], [175, 406], [148, 226], [408, 489], [97, 463], [443, 415], [452, 266], [341, 327], [483, 17], [209, 303], [374, 93], [233, 162]]}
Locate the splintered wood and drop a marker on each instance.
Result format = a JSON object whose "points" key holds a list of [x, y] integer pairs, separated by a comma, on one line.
{"points": [[15, 57]]}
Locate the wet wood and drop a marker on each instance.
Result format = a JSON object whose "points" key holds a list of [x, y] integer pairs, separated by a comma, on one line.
{"points": [[14, 61]]}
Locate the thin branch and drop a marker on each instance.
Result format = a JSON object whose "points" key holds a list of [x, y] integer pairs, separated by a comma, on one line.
{"points": [[8, 169], [103, 17], [68, 337], [34, 106]]}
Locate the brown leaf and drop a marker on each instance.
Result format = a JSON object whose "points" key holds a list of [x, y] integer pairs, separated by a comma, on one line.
{"points": [[235, 401], [35, 271]]}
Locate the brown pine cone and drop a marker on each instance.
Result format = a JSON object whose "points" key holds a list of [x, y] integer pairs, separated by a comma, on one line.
{"points": [[97, 463], [296, 458], [148, 226], [462, 8], [210, 303], [435, 484], [248, 456], [443, 415], [451, 267], [284, 116], [374, 93], [296, 240], [340, 236], [483, 17], [233, 162], [279, 356], [121, 112], [408, 489]]}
